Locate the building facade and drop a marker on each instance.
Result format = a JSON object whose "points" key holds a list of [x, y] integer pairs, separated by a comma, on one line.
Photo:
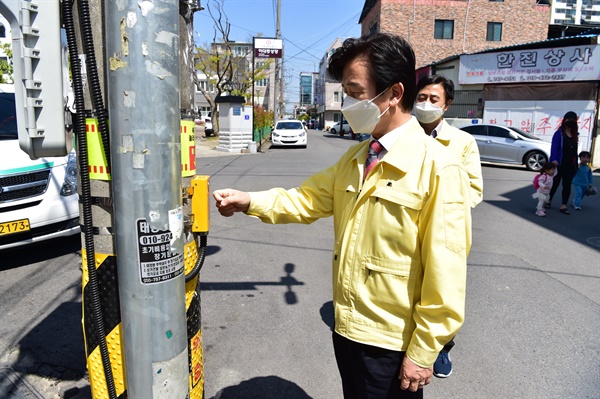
{"points": [[438, 29], [307, 88], [328, 92], [529, 86], [575, 12]]}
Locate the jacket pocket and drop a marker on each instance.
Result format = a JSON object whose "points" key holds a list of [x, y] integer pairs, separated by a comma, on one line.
{"points": [[398, 197], [385, 295]]}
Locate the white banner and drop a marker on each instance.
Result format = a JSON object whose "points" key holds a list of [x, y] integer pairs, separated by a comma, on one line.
{"points": [[542, 118], [557, 64], [268, 48]]}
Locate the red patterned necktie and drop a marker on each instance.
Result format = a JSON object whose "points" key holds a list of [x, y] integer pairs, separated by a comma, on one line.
{"points": [[374, 149]]}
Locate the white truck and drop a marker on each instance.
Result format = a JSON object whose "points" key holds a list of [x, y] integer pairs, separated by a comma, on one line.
{"points": [[38, 198]]}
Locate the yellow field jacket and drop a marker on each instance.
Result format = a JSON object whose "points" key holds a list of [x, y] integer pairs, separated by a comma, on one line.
{"points": [[464, 147], [401, 241]]}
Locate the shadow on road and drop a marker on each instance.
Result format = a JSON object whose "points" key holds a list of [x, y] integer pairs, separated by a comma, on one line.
{"points": [[287, 281], [327, 315], [39, 252], [580, 226], [270, 387], [54, 347]]}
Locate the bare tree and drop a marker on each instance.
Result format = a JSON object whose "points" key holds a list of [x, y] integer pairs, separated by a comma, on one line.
{"points": [[224, 70]]}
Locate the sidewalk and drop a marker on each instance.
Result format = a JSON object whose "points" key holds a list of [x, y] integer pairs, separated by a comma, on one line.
{"points": [[206, 146]]}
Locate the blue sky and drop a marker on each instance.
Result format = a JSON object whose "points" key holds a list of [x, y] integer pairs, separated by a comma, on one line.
{"points": [[308, 27]]}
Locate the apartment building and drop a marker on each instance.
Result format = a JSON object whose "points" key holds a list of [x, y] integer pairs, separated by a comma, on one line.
{"points": [[442, 28], [575, 12]]}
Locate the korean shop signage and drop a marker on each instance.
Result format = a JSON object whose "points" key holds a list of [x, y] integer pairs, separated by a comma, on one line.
{"points": [[557, 64], [268, 48]]}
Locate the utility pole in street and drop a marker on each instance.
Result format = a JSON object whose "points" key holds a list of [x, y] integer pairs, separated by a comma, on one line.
{"points": [[278, 100]]}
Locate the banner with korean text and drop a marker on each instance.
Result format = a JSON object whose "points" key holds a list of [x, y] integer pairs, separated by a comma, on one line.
{"points": [[268, 48], [542, 118], [557, 64]]}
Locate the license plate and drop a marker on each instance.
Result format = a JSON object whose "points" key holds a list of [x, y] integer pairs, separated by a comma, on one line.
{"points": [[16, 226]]}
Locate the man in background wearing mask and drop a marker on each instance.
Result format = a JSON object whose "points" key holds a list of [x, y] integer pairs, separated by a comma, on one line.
{"points": [[402, 227], [434, 95]]}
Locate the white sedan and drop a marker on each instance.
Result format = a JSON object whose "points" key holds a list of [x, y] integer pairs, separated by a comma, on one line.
{"points": [[289, 133]]}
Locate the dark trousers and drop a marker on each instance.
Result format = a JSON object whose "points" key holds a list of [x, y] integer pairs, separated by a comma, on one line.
{"points": [[448, 346], [566, 175], [369, 372]]}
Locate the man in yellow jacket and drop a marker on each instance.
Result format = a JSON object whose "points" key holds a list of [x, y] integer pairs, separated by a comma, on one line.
{"points": [[434, 95], [401, 215]]}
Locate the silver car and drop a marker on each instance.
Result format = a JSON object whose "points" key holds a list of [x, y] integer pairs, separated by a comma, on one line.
{"points": [[506, 144]]}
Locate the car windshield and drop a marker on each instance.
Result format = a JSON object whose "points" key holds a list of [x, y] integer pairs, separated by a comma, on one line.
{"points": [[289, 125], [524, 134], [8, 118]]}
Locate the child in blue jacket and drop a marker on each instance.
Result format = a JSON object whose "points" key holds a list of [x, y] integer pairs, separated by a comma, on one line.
{"points": [[583, 179]]}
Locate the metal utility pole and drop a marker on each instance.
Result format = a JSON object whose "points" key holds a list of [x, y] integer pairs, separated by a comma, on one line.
{"points": [[277, 111], [142, 49]]}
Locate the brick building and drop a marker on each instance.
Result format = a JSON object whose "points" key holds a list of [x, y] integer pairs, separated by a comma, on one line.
{"points": [[441, 28]]}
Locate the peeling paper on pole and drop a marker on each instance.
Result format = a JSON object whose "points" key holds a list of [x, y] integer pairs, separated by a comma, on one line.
{"points": [[131, 19], [157, 70], [168, 38], [146, 7], [176, 224], [170, 378]]}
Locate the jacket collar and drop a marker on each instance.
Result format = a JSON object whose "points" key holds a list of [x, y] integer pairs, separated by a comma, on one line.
{"points": [[403, 149], [443, 132]]}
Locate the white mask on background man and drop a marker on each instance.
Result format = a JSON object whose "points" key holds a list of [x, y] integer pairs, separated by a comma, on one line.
{"points": [[363, 115], [427, 112]]}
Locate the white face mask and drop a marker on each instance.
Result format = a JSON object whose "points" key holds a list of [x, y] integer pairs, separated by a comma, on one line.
{"points": [[363, 115], [427, 112]]}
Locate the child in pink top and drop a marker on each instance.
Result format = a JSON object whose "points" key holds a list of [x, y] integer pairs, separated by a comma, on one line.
{"points": [[544, 182]]}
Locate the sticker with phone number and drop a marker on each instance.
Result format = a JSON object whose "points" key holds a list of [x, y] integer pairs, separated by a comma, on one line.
{"points": [[16, 226]]}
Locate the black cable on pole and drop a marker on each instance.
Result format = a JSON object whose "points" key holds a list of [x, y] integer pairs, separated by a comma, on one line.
{"points": [[201, 257], [87, 37], [86, 198]]}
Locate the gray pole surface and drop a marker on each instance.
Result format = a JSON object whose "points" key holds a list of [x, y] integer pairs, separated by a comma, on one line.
{"points": [[142, 52]]}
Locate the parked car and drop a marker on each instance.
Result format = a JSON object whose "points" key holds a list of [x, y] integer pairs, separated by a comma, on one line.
{"points": [[507, 144], [38, 198], [289, 133], [335, 129]]}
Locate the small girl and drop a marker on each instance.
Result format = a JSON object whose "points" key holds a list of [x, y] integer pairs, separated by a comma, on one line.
{"points": [[545, 181]]}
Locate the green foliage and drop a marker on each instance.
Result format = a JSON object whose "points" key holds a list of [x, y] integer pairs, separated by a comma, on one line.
{"points": [[304, 117], [262, 118], [6, 68]]}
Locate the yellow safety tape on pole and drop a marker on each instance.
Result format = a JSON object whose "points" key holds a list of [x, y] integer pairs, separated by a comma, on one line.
{"points": [[188, 148], [98, 169], [106, 269]]}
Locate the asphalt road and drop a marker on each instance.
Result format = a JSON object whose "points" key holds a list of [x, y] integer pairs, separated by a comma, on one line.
{"points": [[533, 314]]}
